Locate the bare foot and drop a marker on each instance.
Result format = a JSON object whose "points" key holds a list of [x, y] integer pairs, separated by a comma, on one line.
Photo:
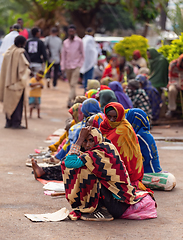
{"points": [[38, 171], [39, 117]]}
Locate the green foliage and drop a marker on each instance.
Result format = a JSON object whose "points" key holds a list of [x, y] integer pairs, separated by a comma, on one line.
{"points": [[176, 17], [174, 50], [128, 45]]}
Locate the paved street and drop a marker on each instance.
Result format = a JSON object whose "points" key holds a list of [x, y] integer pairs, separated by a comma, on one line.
{"points": [[20, 193]]}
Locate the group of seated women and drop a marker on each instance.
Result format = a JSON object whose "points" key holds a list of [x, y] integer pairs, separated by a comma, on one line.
{"points": [[109, 162]]}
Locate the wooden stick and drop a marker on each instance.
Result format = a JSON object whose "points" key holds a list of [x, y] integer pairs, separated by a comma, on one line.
{"points": [[25, 112], [181, 99], [57, 194]]}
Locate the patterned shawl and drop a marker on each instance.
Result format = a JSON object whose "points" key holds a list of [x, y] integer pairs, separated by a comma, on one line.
{"points": [[123, 137], [76, 113], [102, 166], [91, 93]]}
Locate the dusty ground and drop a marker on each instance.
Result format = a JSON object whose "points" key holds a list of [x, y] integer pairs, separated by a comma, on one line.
{"points": [[20, 193]]}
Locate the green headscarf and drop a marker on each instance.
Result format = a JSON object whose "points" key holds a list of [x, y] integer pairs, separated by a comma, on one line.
{"points": [[158, 68], [105, 97]]}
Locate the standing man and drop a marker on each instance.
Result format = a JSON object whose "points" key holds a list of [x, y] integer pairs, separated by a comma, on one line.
{"points": [[13, 80], [71, 60], [175, 84], [8, 41], [53, 43], [91, 55], [24, 32], [36, 51]]}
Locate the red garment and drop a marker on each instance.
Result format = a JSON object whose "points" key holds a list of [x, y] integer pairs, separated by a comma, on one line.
{"points": [[104, 87], [108, 72], [24, 33], [137, 54], [123, 137], [175, 73]]}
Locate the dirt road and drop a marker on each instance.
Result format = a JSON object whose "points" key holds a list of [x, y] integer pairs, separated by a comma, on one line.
{"points": [[20, 193]]}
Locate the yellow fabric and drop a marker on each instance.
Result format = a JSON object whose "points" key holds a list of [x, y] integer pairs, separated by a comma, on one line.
{"points": [[13, 79], [55, 146], [35, 91]]}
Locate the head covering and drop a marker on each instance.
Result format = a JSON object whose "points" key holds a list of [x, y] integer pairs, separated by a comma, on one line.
{"points": [[91, 93], [120, 95], [97, 135], [90, 107], [143, 80], [98, 118], [80, 99], [106, 96], [106, 81], [125, 140], [131, 74], [76, 112], [138, 119], [104, 87], [158, 68], [137, 54], [93, 84]]}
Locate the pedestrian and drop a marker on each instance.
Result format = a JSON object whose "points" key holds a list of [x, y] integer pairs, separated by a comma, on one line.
{"points": [[175, 84], [53, 44], [72, 59], [91, 54], [23, 31], [36, 84], [138, 60], [112, 69], [8, 41], [36, 51], [13, 80]]}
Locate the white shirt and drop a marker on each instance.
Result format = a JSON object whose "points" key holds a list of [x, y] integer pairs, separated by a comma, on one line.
{"points": [[90, 53], [8, 41]]}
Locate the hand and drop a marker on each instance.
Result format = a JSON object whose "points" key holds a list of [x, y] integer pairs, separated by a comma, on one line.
{"points": [[83, 135]]}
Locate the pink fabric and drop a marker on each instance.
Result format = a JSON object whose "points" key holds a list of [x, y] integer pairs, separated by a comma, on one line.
{"points": [[61, 145], [144, 209], [72, 53]]}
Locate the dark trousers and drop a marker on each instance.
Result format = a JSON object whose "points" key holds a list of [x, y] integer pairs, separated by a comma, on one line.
{"points": [[114, 206], [16, 117], [56, 71]]}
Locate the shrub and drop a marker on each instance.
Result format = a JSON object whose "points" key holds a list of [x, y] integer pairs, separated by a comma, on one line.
{"points": [[174, 50], [128, 45]]}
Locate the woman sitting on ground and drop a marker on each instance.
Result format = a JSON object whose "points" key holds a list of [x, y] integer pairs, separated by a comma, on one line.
{"points": [[120, 132], [152, 168], [96, 178]]}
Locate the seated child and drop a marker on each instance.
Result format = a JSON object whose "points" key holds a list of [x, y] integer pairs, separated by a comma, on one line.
{"points": [[36, 84]]}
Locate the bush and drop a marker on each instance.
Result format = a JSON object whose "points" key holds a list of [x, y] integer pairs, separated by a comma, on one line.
{"points": [[128, 45], [174, 50]]}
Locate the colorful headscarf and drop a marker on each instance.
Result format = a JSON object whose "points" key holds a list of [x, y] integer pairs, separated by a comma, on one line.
{"points": [[139, 121], [93, 84], [105, 97], [91, 93], [120, 95], [98, 118], [125, 140], [104, 87], [90, 107], [76, 112]]}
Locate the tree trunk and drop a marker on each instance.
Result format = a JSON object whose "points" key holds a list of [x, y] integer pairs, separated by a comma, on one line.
{"points": [[82, 20], [144, 34], [163, 17]]}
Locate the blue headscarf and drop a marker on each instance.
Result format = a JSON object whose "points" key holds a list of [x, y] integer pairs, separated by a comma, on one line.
{"points": [[90, 106], [120, 95], [139, 120]]}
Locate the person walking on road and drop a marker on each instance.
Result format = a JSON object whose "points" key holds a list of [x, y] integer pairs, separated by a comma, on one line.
{"points": [[72, 59], [91, 54], [53, 43], [36, 51]]}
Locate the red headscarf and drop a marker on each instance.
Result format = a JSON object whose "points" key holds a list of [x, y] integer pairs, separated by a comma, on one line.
{"points": [[137, 54], [123, 137]]}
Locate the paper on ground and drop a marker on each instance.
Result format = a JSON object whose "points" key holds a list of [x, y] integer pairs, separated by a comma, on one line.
{"points": [[53, 186], [49, 217]]}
